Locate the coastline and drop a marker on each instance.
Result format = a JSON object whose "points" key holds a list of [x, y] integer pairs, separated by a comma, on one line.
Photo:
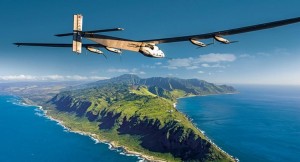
{"points": [[207, 95], [203, 132], [113, 145]]}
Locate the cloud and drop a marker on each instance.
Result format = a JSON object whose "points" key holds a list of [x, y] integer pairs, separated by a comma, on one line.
{"points": [[263, 54], [17, 77], [177, 63], [153, 66], [201, 72], [98, 78], [171, 67], [129, 71], [172, 75], [275, 52], [134, 70], [245, 56], [118, 70], [50, 78], [213, 66], [205, 65], [142, 72], [203, 60], [76, 77], [148, 66], [216, 57], [192, 67], [137, 71]]}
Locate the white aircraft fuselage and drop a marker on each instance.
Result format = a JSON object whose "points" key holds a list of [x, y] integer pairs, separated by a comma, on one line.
{"points": [[153, 51]]}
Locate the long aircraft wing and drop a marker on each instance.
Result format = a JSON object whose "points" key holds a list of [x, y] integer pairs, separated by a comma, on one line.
{"points": [[227, 32], [113, 43], [55, 45]]}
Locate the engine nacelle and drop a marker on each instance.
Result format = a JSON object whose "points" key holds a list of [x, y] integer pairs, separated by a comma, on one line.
{"points": [[118, 51], [221, 39], [94, 50], [198, 43]]}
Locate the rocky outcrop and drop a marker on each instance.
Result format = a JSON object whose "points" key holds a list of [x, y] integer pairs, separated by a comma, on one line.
{"points": [[69, 104], [172, 138]]}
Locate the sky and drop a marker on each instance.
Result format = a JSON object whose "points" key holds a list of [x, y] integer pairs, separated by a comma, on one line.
{"points": [[261, 57]]}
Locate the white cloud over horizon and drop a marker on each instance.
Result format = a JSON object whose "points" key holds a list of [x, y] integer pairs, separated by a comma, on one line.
{"points": [[129, 71], [203, 60], [55, 77], [113, 70], [216, 57], [213, 65]]}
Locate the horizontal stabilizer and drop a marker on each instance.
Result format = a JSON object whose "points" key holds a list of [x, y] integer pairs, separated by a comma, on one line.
{"points": [[91, 31]]}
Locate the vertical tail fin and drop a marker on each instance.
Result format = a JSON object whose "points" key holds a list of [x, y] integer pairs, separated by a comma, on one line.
{"points": [[77, 28]]}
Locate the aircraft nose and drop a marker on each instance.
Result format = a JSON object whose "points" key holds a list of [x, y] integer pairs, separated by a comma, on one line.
{"points": [[162, 53]]}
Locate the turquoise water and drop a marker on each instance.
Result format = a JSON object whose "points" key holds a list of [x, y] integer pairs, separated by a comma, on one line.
{"points": [[258, 124], [26, 135], [261, 123]]}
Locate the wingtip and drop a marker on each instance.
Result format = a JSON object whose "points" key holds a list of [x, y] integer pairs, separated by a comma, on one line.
{"points": [[58, 35], [63, 35], [17, 44]]}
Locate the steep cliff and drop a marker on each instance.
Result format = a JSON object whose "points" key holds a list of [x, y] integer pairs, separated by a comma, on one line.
{"points": [[142, 109]]}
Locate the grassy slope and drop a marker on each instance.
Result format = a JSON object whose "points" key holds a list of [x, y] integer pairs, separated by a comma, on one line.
{"points": [[137, 102], [131, 143]]}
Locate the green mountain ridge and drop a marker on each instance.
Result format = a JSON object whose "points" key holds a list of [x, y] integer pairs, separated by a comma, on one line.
{"points": [[139, 114], [160, 85]]}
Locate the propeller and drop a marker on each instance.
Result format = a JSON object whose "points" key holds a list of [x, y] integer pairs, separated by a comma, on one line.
{"points": [[234, 42], [120, 58], [104, 56], [206, 45], [229, 42]]}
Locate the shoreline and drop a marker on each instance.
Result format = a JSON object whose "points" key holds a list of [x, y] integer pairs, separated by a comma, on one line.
{"points": [[125, 151], [203, 132], [111, 144], [207, 95]]}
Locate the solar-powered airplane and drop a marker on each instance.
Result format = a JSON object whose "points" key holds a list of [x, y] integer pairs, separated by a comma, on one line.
{"points": [[148, 48]]}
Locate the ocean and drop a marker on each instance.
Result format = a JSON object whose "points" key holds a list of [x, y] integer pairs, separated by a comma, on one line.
{"points": [[27, 135], [261, 123]]}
